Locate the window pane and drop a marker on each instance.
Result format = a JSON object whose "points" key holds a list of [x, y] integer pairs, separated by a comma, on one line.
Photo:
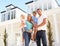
{"points": [[45, 6], [49, 7], [3, 17], [8, 15], [12, 13]]}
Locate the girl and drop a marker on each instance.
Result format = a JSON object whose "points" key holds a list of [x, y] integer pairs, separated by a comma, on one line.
{"points": [[22, 25]]}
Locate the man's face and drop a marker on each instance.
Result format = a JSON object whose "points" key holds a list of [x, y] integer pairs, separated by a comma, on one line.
{"points": [[39, 12]]}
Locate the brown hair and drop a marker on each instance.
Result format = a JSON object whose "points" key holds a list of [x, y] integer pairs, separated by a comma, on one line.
{"points": [[30, 16], [34, 12], [39, 9]]}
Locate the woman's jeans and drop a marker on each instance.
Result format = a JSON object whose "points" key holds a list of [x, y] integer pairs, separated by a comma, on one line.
{"points": [[27, 37]]}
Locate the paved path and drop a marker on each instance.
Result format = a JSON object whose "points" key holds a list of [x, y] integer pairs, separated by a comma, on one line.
{"points": [[32, 43]]}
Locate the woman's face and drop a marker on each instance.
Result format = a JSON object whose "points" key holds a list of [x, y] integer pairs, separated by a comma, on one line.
{"points": [[29, 18]]}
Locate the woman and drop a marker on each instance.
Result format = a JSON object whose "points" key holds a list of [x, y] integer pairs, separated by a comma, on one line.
{"points": [[28, 30]]}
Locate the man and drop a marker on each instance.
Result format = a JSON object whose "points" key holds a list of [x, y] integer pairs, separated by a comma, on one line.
{"points": [[40, 35], [35, 19]]}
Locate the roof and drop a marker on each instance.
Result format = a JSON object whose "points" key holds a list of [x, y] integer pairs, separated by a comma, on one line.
{"points": [[29, 2], [9, 5], [18, 8], [3, 11], [57, 2], [13, 8]]}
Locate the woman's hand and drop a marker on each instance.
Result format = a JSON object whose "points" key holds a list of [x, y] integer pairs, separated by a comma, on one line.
{"points": [[30, 31]]}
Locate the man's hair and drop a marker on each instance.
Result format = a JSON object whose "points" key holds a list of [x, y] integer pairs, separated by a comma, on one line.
{"points": [[39, 9]]}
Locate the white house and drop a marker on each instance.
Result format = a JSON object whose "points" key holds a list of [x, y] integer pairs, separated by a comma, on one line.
{"points": [[10, 26], [11, 12]]}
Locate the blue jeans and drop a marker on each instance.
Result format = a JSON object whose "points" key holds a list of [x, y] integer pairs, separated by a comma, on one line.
{"points": [[41, 36], [27, 37], [26, 29]]}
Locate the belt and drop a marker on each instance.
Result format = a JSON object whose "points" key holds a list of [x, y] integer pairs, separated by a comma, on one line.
{"points": [[41, 30]]}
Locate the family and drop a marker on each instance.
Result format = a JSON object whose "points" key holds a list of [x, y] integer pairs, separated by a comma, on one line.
{"points": [[34, 28]]}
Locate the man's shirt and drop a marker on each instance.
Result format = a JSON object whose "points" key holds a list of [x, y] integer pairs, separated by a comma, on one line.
{"points": [[40, 20]]}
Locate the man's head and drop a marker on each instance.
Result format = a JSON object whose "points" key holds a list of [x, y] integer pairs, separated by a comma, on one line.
{"points": [[39, 11], [34, 13]]}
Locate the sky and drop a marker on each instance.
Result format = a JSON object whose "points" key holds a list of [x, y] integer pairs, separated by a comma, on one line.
{"points": [[19, 3], [59, 2]]}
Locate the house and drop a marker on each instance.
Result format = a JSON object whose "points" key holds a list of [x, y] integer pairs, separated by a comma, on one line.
{"points": [[10, 33]]}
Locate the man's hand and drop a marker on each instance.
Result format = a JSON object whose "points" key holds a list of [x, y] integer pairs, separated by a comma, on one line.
{"points": [[35, 25]]}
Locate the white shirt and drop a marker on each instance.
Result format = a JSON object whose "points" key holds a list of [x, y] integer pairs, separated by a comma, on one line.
{"points": [[40, 20]]}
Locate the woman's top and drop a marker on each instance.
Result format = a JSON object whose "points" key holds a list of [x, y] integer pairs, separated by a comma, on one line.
{"points": [[29, 26]]}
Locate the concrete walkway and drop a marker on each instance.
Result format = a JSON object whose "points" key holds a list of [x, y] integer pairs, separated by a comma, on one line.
{"points": [[32, 43]]}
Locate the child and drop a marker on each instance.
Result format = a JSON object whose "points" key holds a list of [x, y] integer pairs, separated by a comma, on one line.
{"points": [[35, 19], [22, 25]]}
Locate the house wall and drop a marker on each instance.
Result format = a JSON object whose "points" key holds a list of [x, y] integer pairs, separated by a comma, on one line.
{"points": [[13, 31], [14, 34], [53, 17], [19, 13]]}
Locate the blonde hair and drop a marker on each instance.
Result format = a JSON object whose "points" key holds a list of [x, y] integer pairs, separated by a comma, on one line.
{"points": [[22, 16]]}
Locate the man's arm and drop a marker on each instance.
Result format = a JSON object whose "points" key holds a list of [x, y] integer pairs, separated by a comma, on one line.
{"points": [[43, 23]]}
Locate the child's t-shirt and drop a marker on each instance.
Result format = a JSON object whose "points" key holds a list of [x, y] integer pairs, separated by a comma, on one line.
{"points": [[35, 19]]}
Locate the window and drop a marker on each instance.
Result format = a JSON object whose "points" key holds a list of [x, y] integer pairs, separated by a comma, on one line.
{"points": [[3, 17], [45, 6], [50, 6], [8, 15], [13, 13]]}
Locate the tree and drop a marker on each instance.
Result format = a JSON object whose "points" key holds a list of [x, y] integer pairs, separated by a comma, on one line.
{"points": [[50, 37], [5, 36]]}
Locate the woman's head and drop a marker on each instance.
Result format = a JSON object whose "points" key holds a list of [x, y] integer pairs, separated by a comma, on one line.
{"points": [[29, 17]]}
